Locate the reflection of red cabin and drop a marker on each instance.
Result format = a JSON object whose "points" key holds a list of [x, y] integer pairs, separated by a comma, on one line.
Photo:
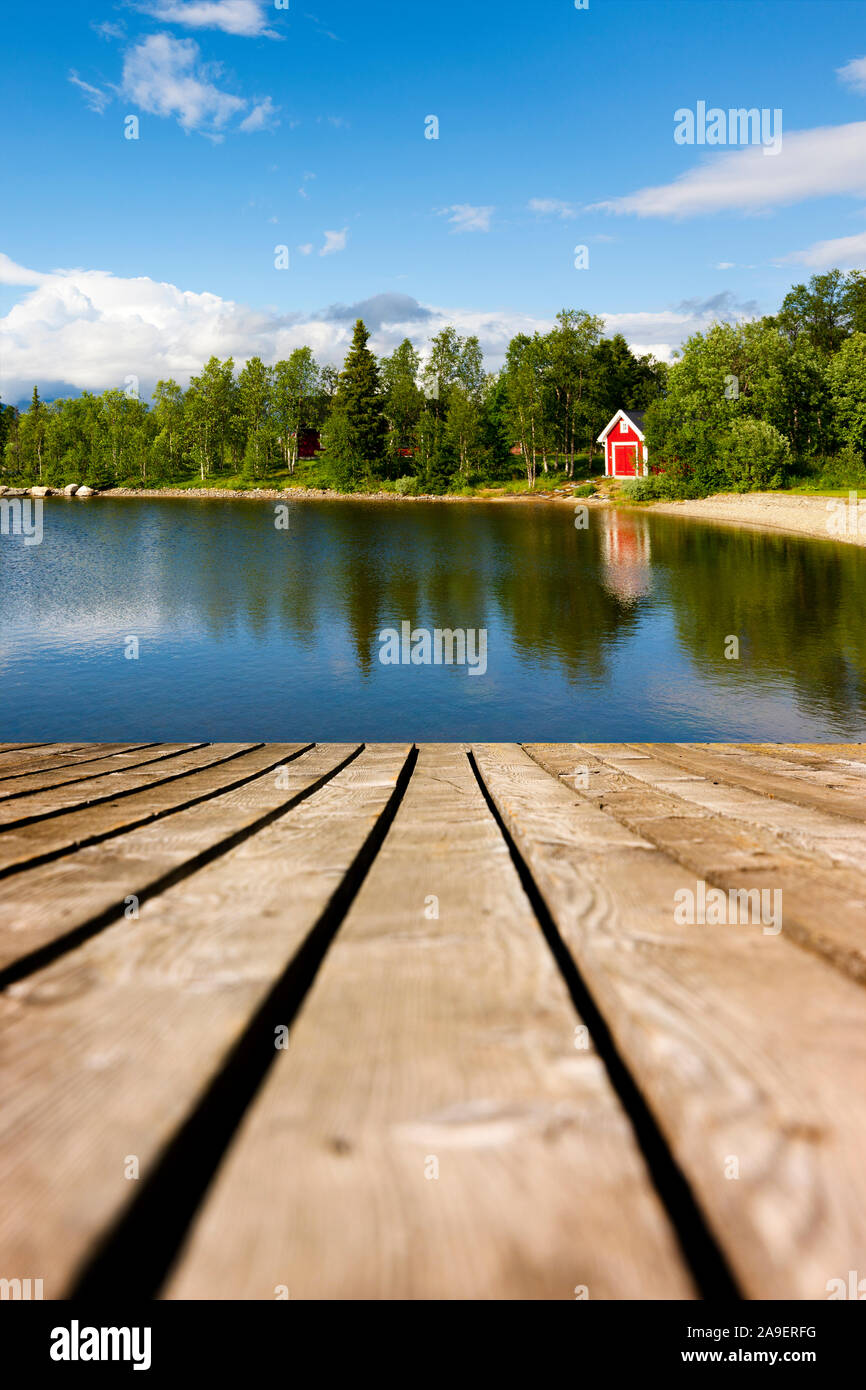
{"points": [[309, 444], [625, 453]]}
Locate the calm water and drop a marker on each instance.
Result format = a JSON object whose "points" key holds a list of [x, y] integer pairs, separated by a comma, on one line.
{"points": [[247, 632]]}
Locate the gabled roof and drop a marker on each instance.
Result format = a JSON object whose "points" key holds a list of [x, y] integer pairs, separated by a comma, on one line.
{"points": [[634, 417]]}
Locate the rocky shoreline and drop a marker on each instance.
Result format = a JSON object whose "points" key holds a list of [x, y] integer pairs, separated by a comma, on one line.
{"points": [[818, 517]]}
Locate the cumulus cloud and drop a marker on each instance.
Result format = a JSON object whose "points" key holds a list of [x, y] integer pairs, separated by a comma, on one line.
{"points": [[552, 207], [811, 164], [243, 18], [467, 218], [661, 332], [74, 330], [164, 76], [88, 329], [334, 241]]}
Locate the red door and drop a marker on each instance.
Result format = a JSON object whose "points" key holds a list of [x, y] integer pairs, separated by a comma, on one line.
{"points": [[624, 459]]}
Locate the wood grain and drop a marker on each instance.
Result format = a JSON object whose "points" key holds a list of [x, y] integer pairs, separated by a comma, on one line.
{"points": [[57, 900], [105, 1052], [438, 1044], [722, 837], [745, 1047]]}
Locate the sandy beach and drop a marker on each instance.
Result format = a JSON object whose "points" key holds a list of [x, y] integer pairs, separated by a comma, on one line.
{"points": [[825, 518]]}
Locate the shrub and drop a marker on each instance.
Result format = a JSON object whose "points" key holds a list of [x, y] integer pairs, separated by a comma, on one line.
{"points": [[406, 487], [585, 490], [754, 455], [639, 489]]}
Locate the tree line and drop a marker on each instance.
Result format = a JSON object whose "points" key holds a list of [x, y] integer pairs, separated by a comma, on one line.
{"points": [[758, 404], [745, 405], [423, 425]]}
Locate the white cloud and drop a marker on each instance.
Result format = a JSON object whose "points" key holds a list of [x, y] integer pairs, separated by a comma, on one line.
{"points": [[164, 77], [811, 164], [243, 18], [467, 218], [334, 241], [854, 74], [262, 117], [88, 329], [107, 30], [661, 332], [306, 249], [96, 99], [725, 265], [13, 274], [846, 252], [552, 207]]}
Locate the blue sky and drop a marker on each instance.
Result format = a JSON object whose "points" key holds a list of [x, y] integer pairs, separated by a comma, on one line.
{"points": [[262, 127]]}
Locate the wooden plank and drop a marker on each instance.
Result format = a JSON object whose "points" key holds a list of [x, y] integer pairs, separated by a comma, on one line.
{"points": [[839, 757], [80, 773], [105, 1051], [741, 770], [53, 801], [831, 837], [459, 1051], [746, 1048], [69, 897], [41, 755], [824, 904], [195, 774], [804, 769]]}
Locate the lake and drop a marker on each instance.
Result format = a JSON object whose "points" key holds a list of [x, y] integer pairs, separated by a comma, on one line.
{"points": [[244, 631]]}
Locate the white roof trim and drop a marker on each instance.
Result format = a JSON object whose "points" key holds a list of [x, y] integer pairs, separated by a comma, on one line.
{"points": [[620, 415]]}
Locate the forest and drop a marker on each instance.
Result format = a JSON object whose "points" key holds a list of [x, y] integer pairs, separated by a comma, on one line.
{"points": [[753, 404]]}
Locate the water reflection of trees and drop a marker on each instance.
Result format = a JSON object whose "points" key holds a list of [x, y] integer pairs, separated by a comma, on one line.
{"points": [[796, 606], [563, 598]]}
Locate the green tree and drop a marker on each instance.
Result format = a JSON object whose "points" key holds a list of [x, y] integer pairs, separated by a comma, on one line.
{"points": [[356, 438], [297, 385], [254, 410], [209, 411], [403, 401], [168, 412], [847, 381]]}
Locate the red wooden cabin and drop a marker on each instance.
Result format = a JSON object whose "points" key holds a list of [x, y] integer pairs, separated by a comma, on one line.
{"points": [[308, 444], [625, 453]]}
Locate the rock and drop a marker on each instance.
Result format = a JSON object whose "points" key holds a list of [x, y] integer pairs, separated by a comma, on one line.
{"points": [[70, 489], [86, 492], [41, 491], [3, 488]]}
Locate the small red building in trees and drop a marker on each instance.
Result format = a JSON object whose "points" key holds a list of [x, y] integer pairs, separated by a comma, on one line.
{"points": [[625, 452]]}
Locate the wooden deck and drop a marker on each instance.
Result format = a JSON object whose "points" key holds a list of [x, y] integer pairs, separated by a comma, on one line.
{"points": [[383, 1021]]}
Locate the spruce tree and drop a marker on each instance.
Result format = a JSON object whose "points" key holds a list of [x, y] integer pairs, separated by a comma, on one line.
{"points": [[359, 436]]}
